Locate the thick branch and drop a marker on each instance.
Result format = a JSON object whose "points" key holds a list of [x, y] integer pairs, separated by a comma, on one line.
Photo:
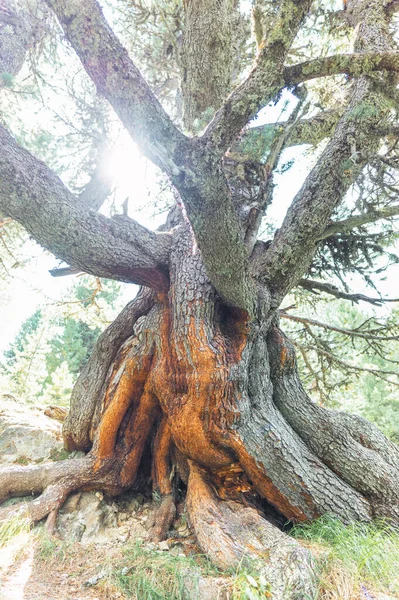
{"points": [[34, 196], [358, 220], [329, 288], [116, 77], [207, 55], [265, 80], [349, 64]]}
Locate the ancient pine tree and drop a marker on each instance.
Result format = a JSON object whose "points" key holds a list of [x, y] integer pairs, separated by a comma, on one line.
{"points": [[194, 381]]}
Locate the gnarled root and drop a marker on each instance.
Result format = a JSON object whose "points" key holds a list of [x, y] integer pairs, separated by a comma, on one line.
{"points": [[350, 446], [91, 385], [162, 483], [232, 535], [54, 482]]}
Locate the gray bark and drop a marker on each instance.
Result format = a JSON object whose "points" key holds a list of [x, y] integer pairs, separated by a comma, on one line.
{"points": [[207, 55]]}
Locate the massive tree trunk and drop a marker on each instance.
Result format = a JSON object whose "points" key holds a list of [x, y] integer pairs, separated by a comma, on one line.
{"points": [[215, 397], [195, 372]]}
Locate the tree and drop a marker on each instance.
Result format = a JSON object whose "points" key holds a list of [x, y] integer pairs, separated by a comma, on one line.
{"points": [[54, 343], [196, 372]]}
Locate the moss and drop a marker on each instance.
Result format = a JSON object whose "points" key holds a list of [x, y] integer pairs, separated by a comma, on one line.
{"points": [[22, 460], [59, 454]]}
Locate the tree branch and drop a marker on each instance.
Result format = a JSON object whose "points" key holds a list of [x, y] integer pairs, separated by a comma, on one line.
{"points": [[329, 288], [349, 332], [116, 77], [265, 80], [34, 196], [207, 55], [346, 365], [257, 141], [352, 222], [202, 187], [349, 64], [100, 184], [349, 149]]}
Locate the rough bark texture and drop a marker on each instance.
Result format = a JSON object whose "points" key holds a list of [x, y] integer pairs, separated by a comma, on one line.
{"points": [[207, 55], [220, 397], [117, 249]]}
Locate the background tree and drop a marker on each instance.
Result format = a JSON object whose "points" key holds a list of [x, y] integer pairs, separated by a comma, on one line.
{"points": [[195, 374], [52, 346]]}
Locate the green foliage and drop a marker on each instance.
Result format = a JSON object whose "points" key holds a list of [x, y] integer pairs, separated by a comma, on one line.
{"points": [[28, 328], [73, 344], [344, 370], [368, 552], [53, 344], [250, 586], [7, 79]]}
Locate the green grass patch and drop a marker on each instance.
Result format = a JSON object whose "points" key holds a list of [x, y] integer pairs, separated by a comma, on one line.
{"points": [[155, 575], [365, 554], [249, 586], [13, 527], [49, 547]]}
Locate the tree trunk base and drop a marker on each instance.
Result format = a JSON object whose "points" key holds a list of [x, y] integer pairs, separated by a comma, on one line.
{"points": [[216, 402], [237, 536]]}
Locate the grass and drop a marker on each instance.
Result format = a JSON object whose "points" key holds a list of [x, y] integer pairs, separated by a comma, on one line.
{"points": [[49, 547], [354, 560], [249, 586], [13, 527], [155, 575]]}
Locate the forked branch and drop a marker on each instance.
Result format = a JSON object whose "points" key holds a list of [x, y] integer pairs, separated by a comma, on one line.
{"points": [[265, 80], [348, 151]]}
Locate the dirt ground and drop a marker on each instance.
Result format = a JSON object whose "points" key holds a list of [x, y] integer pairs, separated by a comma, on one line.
{"points": [[25, 574]]}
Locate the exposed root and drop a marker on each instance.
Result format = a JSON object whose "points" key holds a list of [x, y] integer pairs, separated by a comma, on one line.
{"points": [[136, 436], [162, 483], [161, 466], [51, 521], [351, 446], [91, 384], [163, 519], [53, 482], [126, 388], [233, 535]]}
